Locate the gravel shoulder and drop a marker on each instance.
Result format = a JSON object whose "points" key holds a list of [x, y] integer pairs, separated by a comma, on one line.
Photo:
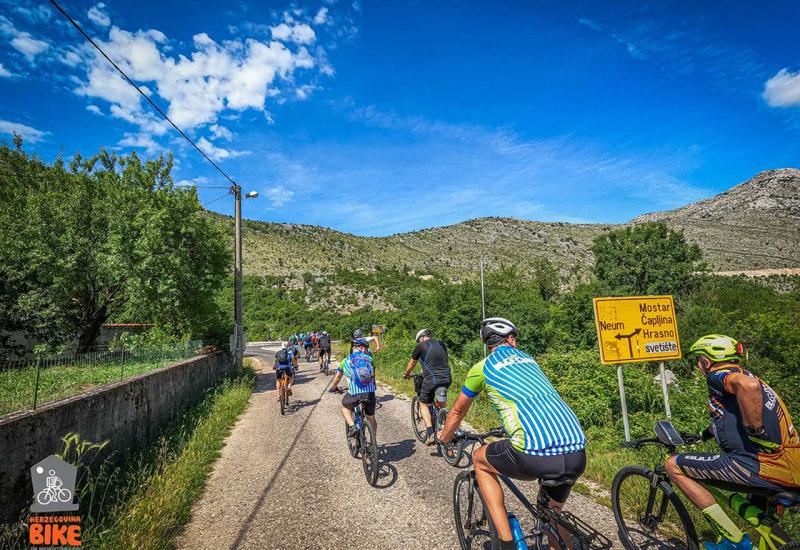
{"points": [[289, 482]]}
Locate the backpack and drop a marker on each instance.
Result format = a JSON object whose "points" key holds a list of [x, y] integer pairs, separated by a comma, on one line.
{"points": [[361, 367], [282, 357]]}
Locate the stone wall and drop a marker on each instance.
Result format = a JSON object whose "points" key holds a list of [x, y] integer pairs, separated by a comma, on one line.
{"points": [[129, 414]]}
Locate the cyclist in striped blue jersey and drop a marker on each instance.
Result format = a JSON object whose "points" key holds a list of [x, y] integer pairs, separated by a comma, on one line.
{"points": [[545, 437], [360, 373]]}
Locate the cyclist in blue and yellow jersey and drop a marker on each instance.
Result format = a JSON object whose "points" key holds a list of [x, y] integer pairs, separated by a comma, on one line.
{"points": [[545, 438], [360, 373], [284, 366], [753, 428]]}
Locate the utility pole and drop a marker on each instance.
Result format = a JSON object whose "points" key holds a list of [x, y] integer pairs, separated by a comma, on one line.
{"points": [[237, 276], [483, 302]]}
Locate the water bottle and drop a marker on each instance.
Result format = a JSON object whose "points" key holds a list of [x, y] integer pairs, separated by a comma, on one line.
{"points": [[516, 532]]}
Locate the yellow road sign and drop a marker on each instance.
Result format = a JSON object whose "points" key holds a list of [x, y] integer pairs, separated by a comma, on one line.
{"points": [[637, 328]]}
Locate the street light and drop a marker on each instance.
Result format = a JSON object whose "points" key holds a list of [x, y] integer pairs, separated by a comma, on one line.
{"points": [[237, 274]]}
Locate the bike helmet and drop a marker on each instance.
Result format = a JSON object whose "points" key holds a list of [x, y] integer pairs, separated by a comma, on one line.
{"points": [[360, 342], [495, 329], [719, 348], [423, 332], [357, 333]]}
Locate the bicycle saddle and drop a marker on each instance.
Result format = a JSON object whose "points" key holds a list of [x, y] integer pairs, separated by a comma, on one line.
{"points": [[556, 480]]}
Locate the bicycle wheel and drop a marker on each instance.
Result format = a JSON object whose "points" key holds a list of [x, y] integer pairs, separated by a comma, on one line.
{"points": [[352, 442], [416, 420], [650, 515], [369, 453], [451, 452], [473, 524]]}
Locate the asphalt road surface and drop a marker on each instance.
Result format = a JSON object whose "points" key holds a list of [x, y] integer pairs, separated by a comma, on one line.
{"points": [[289, 482]]}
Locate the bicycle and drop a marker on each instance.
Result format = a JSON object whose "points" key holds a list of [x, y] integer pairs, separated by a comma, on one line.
{"points": [[364, 442], [476, 529], [324, 368], [659, 517], [451, 452], [53, 494], [283, 390]]}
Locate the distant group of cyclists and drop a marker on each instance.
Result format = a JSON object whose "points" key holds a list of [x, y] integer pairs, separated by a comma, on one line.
{"points": [[759, 445], [286, 359]]}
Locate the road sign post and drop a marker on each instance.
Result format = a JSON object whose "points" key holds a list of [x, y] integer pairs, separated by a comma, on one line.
{"points": [[635, 329], [665, 389], [623, 403]]}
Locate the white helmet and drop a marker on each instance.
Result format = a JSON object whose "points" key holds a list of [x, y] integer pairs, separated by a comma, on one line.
{"points": [[423, 332], [495, 329]]}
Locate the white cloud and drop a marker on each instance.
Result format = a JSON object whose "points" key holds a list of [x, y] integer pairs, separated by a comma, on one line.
{"points": [[29, 46], [302, 92], [586, 22], [220, 132], [783, 89], [29, 134], [98, 16], [71, 57], [218, 153], [322, 16], [94, 109], [299, 33], [39, 14], [4, 72], [278, 195], [200, 180], [140, 141]]}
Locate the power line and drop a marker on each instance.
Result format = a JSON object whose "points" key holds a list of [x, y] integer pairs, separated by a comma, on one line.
{"points": [[150, 101], [215, 200]]}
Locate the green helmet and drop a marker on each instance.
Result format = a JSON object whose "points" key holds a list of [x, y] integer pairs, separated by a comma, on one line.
{"points": [[718, 348]]}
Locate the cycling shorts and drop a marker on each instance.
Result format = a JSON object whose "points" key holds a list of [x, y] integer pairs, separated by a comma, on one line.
{"points": [[733, 472], [324, 351], [428, 390], [280, 372], [518, 465], [308, 345], [349, 401]]}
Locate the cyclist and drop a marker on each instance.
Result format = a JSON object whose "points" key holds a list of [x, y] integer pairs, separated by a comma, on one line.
{"points": [[360, 373], [323, 348], [284, 361], [545, 436], [435, 373], [308, 344], [759, 444]]}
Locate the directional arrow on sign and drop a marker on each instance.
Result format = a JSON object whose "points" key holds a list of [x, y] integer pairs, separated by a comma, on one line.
{"points": [[628, 337]]}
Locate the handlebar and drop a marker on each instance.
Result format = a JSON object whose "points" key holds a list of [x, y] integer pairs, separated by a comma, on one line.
{"points": [[688, 439], [336, 390], [461, 435]]}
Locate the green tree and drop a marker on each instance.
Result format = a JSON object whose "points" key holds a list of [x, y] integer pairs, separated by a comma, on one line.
{"points": [[649, 258], [102, 238]]}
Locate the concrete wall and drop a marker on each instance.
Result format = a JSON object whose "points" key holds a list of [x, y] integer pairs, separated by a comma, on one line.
{"points": [[129, 414]]}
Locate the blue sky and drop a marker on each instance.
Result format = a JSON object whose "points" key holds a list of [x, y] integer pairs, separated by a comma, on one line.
{"points": [[381, 117]]}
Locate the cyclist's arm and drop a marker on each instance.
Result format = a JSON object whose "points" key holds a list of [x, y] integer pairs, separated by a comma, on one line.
{"points": [[335, 383], [455, 416], [411, 364], [748, 394]]}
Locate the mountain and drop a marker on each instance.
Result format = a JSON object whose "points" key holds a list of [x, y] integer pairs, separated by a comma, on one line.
{"points": [[755, 225]]}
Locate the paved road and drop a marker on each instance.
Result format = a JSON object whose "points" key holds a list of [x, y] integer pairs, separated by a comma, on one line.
{"points": [[289, 482]]}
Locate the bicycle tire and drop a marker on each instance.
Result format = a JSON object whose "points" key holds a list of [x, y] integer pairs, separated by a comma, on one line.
{"points": [[417, 423], [369, 453], [647, 524], [283, 403], [451, 452], [466, 495], [352, 442]]}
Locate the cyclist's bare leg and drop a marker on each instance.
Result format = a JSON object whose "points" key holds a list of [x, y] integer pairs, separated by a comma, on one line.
{"points": [[373, 424], [565, 535], [425, 410], [348, 416], [694, 491], [492, 493]]}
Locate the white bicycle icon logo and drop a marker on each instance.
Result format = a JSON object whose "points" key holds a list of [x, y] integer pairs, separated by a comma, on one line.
{"points": [[54, 492]]}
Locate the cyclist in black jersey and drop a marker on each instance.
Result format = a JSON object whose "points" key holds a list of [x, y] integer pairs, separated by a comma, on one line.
{"points": [[435, 374]]}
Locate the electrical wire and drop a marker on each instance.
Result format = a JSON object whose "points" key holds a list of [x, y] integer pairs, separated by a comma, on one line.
{"points": [[215, 200], [150, 101]]}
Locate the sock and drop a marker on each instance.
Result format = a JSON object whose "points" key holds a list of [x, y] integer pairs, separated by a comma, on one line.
{"points": [[507, 544], [722, 524], [430, 431]]}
